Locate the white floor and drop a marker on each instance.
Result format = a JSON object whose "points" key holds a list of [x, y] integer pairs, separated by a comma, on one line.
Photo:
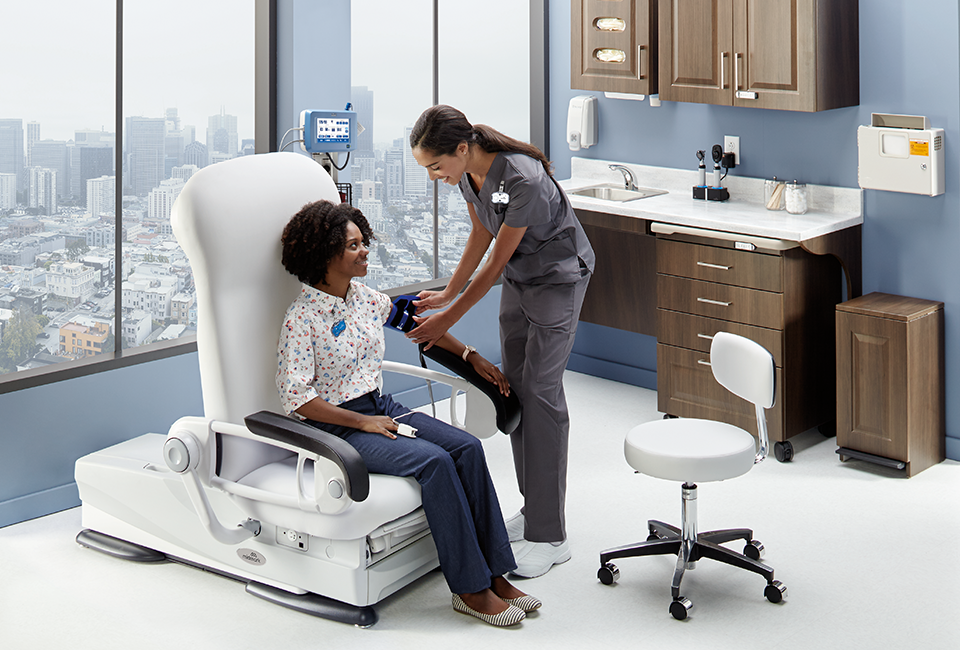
{"points": [[870, 560]]}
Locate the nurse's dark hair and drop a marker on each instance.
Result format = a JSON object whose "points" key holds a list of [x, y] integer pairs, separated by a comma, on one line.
{"points": [[440, 130], [317, 234]]}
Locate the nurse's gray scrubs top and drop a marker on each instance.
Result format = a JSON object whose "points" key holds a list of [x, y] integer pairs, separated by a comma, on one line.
{"points": [[554, 247]]}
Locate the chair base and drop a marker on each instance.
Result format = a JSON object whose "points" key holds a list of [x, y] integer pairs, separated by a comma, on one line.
{"points": [[665, 539]]}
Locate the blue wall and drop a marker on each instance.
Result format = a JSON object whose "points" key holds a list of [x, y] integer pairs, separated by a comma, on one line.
{"points": [[909, 63]]}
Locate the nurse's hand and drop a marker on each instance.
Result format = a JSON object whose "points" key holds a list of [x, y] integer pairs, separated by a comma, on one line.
{"points": [[489, 372], [429, 329], [427, 300], [379, 424]]}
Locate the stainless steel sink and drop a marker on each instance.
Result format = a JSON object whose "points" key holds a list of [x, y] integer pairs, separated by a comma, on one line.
{"points": [[616, 193]]}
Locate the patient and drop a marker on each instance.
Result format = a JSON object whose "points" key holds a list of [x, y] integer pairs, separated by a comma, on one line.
{"points": [[330, 355]]}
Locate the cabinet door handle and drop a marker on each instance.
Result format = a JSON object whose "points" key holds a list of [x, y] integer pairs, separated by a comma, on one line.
{"points": [[713, 266], [703, 362], [705, 336], [640, 74], [713, 302], [723, 70], [741, 94]]}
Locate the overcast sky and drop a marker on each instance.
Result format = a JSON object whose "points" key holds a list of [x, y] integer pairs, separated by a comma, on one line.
{"points": [[57, 62]]}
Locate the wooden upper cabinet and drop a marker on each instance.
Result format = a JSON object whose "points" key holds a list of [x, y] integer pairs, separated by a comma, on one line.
{"points": [[800, 55], [614, 46]]}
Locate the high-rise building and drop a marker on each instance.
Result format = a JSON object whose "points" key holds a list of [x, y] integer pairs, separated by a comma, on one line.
{"points": [[101, 195], [222, 134], [414, 176], [160, 201], [184, 172], [145, 153], [8, 191], [11, 150], [362, 99], [33, 135], [196, 153], [42, 189], [52, 154], [393, 172], [89, 162]]}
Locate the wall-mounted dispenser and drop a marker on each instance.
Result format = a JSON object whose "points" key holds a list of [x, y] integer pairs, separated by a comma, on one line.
{"points": [[582, 122], [901, 153]]}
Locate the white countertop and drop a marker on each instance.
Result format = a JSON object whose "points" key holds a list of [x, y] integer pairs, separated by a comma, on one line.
{"points": [[830, 208]]}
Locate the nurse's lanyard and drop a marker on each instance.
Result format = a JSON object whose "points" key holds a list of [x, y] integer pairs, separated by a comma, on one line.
{"points": [[500, 200]]}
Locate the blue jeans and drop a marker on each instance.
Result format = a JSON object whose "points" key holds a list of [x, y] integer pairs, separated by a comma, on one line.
{"points": [[456, 490]]}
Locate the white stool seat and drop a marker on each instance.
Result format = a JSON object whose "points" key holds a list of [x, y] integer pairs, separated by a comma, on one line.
{"points": [[690, 450]]}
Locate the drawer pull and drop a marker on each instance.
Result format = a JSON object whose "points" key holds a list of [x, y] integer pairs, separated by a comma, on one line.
{"points": [[713, 266], [705, 336], [714, 302], [703, 362]]}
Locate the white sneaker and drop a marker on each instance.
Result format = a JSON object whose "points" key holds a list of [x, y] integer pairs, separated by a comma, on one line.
{"points": [[536, 558], [515, 527]]}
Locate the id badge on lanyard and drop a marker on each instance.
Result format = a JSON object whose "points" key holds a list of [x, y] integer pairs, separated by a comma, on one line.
{"points": [[500, 200]]}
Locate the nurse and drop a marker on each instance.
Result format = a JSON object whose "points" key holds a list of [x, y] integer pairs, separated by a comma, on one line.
{"points": [[546, 262]]}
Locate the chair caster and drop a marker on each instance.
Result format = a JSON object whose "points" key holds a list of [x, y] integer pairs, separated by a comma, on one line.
{"points": [[753, 549], [680, 607], [783, 451], [775, 591], [608, 573]]}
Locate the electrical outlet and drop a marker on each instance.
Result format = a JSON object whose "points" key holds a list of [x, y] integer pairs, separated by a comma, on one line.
{"points": [[731, 144], [293, 539]]}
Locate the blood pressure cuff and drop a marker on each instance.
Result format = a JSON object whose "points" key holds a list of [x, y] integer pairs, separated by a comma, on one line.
{"points": [[401, 314]]}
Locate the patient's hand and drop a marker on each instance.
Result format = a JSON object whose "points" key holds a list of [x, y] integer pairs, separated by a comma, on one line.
{"points": [[489, 372], [381, 424]]}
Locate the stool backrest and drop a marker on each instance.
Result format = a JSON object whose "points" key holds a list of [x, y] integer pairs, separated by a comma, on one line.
{"points": [[743, 367]]}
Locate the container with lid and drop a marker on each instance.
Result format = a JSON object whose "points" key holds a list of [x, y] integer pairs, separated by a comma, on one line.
{"points": [[795, 197]]}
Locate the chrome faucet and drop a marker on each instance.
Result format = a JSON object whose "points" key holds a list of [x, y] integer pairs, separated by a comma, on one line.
{"points": [[627, 176]]}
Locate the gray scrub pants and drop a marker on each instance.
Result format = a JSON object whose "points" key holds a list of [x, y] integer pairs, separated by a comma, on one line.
{"points": [[538, 323]]}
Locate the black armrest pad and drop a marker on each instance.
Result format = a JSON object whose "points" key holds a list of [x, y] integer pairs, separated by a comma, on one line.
{"points": [[508, 407], [302, 435]]}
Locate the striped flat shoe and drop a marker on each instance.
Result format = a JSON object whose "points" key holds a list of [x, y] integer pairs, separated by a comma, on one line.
{"points": [[526, 603], [510, 616]]}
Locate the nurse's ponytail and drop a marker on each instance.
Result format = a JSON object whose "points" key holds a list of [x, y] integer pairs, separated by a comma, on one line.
{"points": [[440, 130]]}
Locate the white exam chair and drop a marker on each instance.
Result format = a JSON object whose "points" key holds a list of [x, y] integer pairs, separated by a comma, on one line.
{"points": [[244, 491]]}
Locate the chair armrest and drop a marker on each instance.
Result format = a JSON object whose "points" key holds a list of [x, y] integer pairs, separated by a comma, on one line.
{"points": [[293, 432], [507, 406]]}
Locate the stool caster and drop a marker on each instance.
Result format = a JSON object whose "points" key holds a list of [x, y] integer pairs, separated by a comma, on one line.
{"points": [[753, 549], [680, 607], [608, 573], [783, 451], [775, 591]]}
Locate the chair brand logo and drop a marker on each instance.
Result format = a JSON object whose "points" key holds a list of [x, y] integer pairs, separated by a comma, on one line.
{"points": [[251, 557]]}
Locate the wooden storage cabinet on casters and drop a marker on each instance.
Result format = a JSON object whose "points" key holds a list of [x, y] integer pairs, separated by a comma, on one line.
{"points": [[890, 381], [783, 299]]}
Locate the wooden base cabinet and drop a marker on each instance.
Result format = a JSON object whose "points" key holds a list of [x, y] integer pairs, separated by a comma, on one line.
{"points": [[890, 381], [783, 299]]}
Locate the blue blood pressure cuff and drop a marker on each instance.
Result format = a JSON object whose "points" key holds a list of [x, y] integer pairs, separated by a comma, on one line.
{"points": [[401, 314]]}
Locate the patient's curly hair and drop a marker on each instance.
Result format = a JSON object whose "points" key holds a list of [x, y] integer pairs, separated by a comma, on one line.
{"points": [[317, 234]]}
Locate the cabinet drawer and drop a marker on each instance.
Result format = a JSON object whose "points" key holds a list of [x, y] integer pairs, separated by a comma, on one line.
{"points": [[686, 388], [696, 332], [725, 265], [749, 306]]}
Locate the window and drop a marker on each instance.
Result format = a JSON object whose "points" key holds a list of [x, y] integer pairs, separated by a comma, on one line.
{"points": [[490, 84], [188, 97]]}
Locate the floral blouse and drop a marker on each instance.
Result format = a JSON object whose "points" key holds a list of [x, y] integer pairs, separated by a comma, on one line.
{"points": [[331, 348]]}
